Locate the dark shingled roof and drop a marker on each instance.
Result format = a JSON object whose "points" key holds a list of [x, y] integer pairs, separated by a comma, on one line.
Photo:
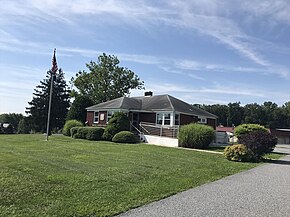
{"points": [[119, 103], [152, 103]]}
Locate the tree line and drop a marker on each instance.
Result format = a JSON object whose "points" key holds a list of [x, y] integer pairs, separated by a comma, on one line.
{"points": [[268, 114]]}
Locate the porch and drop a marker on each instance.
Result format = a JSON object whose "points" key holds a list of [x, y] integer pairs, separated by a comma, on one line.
{"points": [[156, 134], [146, 128]]}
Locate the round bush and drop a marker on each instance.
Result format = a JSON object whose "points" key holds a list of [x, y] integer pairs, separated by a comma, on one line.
{"points": [[259, 142], [247, 128], [70, 124], [196, 136], [94, 133], [124, 137], [239, 152], [109, 132], [119, 122]]}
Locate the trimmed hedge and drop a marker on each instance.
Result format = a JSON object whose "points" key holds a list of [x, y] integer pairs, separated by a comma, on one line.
{"points": [[70, 124], [82, 133], [125, 137], [196, 136], [247, 128], [90, 133], [95, 133], [239, 152], [259, 142]]}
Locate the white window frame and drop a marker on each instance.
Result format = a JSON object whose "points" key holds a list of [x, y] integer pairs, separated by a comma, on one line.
{"points": [[157, 118], [96, 117], [202, 120], [165, 119], [163, 116]]}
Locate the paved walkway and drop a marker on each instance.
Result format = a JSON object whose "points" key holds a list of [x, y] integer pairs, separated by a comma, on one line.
{"points": [[262, 191]]}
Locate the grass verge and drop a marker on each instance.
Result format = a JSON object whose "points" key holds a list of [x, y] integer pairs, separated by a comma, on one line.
{"points": [[67, 177]]}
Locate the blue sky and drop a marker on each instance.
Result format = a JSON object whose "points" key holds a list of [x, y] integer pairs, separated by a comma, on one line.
{"points": [[202, 51]]}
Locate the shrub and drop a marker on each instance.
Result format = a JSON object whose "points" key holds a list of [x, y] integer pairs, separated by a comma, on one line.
{"points": [[239, 152], [247, 128], [109, 132], [195, 136], [125, 137], [94, 133], [70, 124], [259, 142], [73, 131], [81, 133], [119, 122]]}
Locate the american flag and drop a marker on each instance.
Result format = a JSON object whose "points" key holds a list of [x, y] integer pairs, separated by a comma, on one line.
{"points": [[54, 63]]}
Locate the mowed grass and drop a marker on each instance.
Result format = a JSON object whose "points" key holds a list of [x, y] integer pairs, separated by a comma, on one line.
{"points": [[67, 177]]}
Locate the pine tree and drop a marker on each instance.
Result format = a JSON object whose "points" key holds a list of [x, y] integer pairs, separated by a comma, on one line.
{"points": [[38, 109]]}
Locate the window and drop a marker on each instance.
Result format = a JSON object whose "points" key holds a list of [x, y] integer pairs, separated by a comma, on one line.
{"points": [[96, 117], [176, 119], [166, 119], [163, 118], [202, 120], [109, 115], [159, 118]]}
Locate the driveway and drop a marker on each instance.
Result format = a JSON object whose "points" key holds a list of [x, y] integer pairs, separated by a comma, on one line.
{"points": [[262, 191]]}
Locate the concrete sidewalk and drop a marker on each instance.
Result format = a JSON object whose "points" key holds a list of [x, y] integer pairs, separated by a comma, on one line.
{"points": [[262, 191]]}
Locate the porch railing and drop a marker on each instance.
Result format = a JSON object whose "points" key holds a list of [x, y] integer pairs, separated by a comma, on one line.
{"points": [[159, 130], [135, 130]]}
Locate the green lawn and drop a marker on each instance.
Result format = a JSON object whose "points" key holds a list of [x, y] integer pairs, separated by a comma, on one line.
{"points": [[67, 177]]}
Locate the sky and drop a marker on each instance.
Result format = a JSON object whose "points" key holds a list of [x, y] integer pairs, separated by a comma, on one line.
{"points": [[201, 51]]}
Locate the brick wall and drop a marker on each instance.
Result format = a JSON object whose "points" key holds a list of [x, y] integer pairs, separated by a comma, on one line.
{"points": [[148, 117], [90, 117], [211, 122], [187, 119]]}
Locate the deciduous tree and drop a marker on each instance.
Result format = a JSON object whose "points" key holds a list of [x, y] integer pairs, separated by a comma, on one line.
{"points": [[11, 118], [106, 80]]}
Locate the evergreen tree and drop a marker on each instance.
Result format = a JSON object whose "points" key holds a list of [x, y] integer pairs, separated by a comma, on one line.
{"points": [[38, 109], [78, 110]]}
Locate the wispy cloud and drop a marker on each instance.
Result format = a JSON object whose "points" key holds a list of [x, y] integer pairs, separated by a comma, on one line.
{"points": [[217, 93], [268, 9], [212, 18]]}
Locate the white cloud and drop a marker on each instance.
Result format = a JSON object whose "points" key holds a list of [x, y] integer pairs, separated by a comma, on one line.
{"points": [[211, 18], [278, 10]]}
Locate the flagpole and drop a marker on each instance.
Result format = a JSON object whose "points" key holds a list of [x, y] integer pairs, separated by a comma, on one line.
{"points": [[49, 106], [53, 72]]}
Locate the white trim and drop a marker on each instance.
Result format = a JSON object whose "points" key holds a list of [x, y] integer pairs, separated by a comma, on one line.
{"points": [[163, 118], [203, 119], [96, 122]]}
